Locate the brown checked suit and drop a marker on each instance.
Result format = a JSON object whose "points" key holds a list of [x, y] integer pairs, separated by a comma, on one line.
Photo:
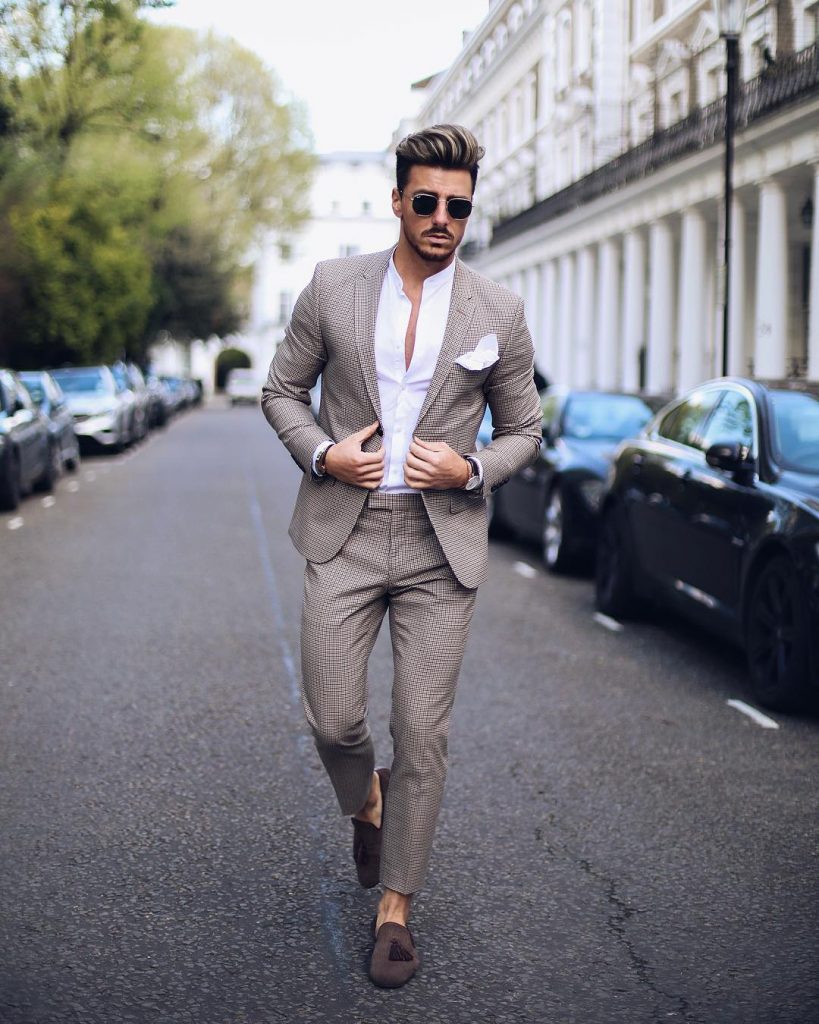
{"points": [[417, 556]]}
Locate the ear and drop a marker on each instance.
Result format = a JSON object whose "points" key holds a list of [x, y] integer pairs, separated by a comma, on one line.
{"points": [[396, 203]]}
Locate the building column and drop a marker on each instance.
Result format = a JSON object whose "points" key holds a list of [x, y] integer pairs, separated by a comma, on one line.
{"points": [[694, 327], [516, 283], [546, 337], [608, 309], [634, 309], [813, 299], [660, 353], [531, 300], [771, 283], [737, 325], [583, 357], [565, 322]]}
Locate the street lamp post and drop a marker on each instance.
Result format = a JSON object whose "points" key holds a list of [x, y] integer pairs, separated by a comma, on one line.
{"points": [[730, 20]]}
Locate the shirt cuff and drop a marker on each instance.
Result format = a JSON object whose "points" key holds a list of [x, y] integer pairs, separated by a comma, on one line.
{"points": [[317, 454]]}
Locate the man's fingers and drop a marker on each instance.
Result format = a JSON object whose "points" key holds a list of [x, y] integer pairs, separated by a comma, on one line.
{"points": [[430, 446], [367, 432]]}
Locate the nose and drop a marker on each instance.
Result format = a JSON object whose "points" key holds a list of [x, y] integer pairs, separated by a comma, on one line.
{"points": [[441, 215]]}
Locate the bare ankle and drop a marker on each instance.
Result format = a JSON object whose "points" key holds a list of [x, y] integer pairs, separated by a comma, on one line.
{"points": [[394, 907], [371, 811]]}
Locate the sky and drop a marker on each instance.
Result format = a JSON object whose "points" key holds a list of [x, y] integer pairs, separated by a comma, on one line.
{"points": [[351, 63]]}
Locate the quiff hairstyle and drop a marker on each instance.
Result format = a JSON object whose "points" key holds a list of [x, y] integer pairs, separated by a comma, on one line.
{"points": [[450, 146]]}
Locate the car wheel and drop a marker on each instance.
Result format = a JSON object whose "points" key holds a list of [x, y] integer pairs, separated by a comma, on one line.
{"points": [[556, 534], [497, 527], [10, 483], [51, 473], [777, 639], [614, 590], [72, 463]]}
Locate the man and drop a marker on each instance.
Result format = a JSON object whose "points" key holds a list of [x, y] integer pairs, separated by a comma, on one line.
{"points": [[391, 513]]}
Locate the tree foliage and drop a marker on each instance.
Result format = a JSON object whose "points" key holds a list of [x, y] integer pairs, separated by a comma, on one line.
{"points": [[138, 167]]}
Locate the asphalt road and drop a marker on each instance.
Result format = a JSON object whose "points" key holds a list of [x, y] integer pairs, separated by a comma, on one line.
{"points": [[618, 844]]}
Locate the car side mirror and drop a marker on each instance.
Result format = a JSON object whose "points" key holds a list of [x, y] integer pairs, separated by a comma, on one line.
{"points": [[732, 457]]}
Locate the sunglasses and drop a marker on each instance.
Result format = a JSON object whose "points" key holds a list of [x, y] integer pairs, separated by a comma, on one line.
{"points": [[424, 204]]}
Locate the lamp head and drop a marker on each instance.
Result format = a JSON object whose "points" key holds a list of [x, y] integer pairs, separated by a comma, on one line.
{"points": [[730, 17]]}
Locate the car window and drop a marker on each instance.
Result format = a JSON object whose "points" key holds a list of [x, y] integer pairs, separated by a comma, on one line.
{"points": [[731, 422], [796, 430], [79, 381], [684, 423], [601, 417]]}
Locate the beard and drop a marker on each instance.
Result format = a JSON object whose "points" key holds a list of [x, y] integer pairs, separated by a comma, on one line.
{"points": [[436, 255]]}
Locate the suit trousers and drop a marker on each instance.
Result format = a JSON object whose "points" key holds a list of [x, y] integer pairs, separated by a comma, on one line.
{"points": [[392, 561]]}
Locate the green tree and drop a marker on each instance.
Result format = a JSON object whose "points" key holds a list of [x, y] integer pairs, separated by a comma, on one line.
{"points": [[138, 168]]}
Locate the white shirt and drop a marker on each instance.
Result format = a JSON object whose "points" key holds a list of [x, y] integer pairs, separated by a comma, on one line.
{"points": [[402, 391]]}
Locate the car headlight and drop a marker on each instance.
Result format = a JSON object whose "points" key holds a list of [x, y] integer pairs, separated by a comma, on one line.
{"points": [[592, 492]]}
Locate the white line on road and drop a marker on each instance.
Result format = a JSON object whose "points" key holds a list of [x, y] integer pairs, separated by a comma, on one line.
{"points": [[15, 523], [49, 501], [90, 475], [757, 716], [72, 486], [612, 624], [524, 569]]}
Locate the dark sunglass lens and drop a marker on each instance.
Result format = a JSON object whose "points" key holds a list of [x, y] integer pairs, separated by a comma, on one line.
{"points": [[459, 209], [424, 205]]}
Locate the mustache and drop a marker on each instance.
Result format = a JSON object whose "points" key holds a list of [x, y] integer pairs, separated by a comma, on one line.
{"points": [[436, 234]]}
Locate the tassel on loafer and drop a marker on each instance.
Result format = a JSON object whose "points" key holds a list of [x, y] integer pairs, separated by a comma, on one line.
{"points": [[395, 958], [367, 841]]}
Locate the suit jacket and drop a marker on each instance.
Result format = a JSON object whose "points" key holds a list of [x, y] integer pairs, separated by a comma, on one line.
{"points": [[331, 333]]}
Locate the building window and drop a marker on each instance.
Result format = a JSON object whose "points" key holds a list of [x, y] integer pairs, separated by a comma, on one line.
{"points": [[349, 250], [285, 306], [366, 207], [285, 252]]}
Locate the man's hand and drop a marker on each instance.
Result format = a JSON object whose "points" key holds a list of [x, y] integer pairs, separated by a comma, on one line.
{"points": [[348, 463], [434, 465]]}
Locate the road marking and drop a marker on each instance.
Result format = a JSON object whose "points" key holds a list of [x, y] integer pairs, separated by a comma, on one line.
{"points": [[72, 486], [608, 623], [90, 475], [49, 501], [525, 570], [757, 716], [15, 523]]}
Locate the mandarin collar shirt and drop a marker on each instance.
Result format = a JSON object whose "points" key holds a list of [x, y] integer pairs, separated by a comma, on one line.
{"points": [[402, 390]]}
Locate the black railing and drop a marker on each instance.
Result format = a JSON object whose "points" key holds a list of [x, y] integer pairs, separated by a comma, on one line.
{"points": [[791, 79]]}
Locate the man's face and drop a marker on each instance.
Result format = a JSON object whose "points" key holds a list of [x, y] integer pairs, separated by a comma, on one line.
{"points": [[434, 238]]}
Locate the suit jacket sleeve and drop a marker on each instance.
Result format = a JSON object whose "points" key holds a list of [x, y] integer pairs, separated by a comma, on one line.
{"points": [[516, 410], [296, 366]]}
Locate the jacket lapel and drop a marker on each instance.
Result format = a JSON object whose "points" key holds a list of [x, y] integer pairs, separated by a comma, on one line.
{"points": [[461, 311], [367, 294]]}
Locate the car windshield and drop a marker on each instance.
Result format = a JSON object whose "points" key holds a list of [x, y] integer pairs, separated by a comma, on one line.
{"points": [[604, 417], [79, 381], [35, 388], [796, 430]]}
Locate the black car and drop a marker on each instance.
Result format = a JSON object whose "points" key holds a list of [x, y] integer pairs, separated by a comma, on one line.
{"points": [[49, 398], [28, 457], [555, 502], [714, 511]]}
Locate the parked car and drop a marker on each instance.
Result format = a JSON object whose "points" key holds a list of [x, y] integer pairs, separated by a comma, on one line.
{"points": [[714, 512], [243, 385], [48, 396], [179, 392], [101, 412], [556, 501], [28, 457], [133, 393]]}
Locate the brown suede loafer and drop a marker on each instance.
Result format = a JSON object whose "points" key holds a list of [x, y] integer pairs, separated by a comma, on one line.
{"points": [[395, 958], [367, 840]]}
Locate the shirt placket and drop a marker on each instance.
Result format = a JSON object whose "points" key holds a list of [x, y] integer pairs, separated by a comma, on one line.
{"points": [[399, 425]]}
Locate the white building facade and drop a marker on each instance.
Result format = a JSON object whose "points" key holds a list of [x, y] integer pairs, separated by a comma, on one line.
{"points": [[600, 197], [351, 214]]}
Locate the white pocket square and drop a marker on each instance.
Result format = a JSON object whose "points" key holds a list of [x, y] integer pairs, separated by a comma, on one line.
{"points": [[484, 354]]}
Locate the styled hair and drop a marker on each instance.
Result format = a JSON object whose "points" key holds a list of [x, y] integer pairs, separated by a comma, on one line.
{"points": [[443, 145]]}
